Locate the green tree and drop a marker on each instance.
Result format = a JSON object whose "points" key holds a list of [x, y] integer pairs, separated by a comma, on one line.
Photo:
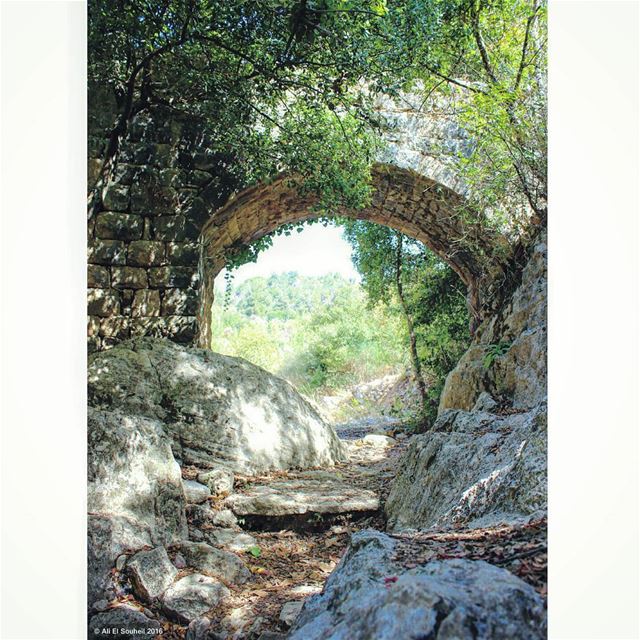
{"points": [[487, 60], [387, 260], [276, 84], [403, 274]]}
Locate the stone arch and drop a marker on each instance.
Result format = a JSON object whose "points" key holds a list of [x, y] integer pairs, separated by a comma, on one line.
{"points": [[402, 199], [166, 220]]}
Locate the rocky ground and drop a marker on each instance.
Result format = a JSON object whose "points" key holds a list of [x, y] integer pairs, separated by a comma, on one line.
{"points": [[260, 545]]}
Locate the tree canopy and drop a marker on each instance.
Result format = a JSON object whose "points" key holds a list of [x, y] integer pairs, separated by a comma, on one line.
{"points": [[289, 85]]}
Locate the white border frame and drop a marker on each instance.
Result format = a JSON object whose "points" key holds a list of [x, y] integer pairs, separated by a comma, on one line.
{"points": [[593, 296]]}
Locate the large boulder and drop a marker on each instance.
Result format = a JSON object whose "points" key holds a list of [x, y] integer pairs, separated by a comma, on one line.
{"points": [[218, 410], [474, 468], [135, 496], [371, 595]]}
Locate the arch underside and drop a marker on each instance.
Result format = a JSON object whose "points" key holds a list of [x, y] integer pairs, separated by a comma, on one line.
{"points": [[402, 199]]}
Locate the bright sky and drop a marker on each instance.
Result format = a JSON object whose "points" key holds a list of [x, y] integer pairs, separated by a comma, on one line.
{"points": [[315, 251]]}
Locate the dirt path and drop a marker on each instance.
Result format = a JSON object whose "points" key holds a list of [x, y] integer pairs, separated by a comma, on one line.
{"points": [[294, 561]]}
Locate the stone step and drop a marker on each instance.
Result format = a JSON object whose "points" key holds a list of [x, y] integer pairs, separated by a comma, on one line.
{"points": [[300, 500]]}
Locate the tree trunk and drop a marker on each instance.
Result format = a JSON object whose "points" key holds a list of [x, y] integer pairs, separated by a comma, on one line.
{"points": [[417, 369]]}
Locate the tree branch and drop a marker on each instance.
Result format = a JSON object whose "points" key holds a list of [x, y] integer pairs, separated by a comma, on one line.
{"points": [[525, 44], [484, 55]]}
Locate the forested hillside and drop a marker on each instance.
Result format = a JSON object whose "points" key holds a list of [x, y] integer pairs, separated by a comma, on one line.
{"points": [[319, 332], [325, 334]]}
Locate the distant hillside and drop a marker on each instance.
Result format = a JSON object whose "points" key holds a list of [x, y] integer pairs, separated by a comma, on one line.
{"points": [[287, 296]]}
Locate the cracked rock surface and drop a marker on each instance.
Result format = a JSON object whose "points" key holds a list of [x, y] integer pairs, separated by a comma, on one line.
{"points": [[370, 595]]}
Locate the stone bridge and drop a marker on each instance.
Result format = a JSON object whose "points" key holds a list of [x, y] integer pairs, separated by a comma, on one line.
{"points": [[170, 215]]}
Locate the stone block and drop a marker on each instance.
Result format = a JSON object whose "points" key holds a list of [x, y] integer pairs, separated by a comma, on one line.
{"points": [[215, 562], [128, 278], [107, 252], [179, 302], [152, 199], [116, 197], [196, 211], [151, 573], [112, 225], [171, 277], [103, 302], [181, 329], [146, 303], [183, 253], [115, 328], [153, 327], [93, 171], [199, 178], [124, 173], [145, 253], [97, 277], [175, 229], [93, 326]]}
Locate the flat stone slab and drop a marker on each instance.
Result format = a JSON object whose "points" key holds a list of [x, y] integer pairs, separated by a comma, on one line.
{"points": [[223, 565], [322, 494]]}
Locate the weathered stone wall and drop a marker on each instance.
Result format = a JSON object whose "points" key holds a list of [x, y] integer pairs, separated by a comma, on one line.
{"points": [[163, 224], [143, 240]]}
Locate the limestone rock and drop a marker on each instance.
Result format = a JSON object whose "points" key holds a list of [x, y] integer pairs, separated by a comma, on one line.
{"points": [[192, 596], [378, 440], [230, 539], [198, 629], [290, 611], [474, 468], [219, 410], [195, 492], [448, 599], [218, 480], [151, 573], [132, 473], [484, 459], [326, 495], [134, 495], [520, 373], [104, 625], [216, 562]]}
